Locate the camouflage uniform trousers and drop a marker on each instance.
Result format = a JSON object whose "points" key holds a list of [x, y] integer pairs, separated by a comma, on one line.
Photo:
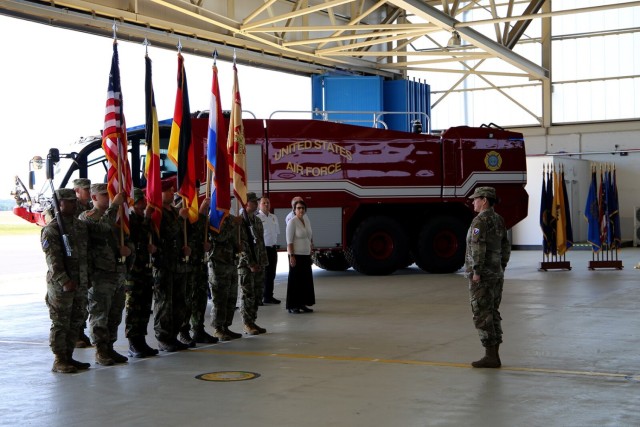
{"points": [[139, 290], [223, 282], [252, 286], [106, 304], [196, 298], [169, 299], [485, 297], [67, 311]]}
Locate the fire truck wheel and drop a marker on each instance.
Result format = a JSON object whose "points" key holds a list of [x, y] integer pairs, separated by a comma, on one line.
{"points": [[331, 261], [441, 245], [379, 246]]}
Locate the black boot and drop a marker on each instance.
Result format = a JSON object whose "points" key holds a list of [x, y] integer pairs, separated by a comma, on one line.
{"points": [[136, 349], [490, 359]]}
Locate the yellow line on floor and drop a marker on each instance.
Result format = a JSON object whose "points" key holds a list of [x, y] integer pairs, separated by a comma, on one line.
{"points": [[417, 362]]}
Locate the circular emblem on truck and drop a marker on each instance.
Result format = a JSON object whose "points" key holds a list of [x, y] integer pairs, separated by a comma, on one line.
{"points": [[493, 161]]}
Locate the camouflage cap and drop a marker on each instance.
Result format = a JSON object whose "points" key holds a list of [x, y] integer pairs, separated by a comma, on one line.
{"points": [[251, 197], [138, 194], [98, 188], [66, 194], [81, 183], [488, 192]]}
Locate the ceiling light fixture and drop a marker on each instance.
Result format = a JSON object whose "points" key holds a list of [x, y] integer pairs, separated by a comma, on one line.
{"points": [[455, 40]]}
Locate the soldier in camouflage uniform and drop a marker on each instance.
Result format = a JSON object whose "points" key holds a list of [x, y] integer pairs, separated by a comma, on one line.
{"points": [[251, 265], [107, 280], [170, 272], [82, 188], [139, 288], [487, 255], [67, 277], [197, 283], [223, 277]]}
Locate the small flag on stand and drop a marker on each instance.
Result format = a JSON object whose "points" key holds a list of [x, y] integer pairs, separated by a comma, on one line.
{"points": [[152, 165], [115, 144], [217, 160], [614, 213], [592, 213], [181, 147]]}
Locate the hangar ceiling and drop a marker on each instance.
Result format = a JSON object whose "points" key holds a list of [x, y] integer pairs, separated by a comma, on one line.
{"points": [[369, 37]]}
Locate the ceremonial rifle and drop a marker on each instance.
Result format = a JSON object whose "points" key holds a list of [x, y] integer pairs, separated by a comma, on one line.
{"points": [[52, 158]]}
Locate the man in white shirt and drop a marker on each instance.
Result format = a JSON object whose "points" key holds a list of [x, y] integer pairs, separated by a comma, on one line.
{"points": [[271, 231]]}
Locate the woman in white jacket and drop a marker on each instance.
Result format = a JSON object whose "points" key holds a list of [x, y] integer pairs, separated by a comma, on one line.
{"points": [[300, 292]]}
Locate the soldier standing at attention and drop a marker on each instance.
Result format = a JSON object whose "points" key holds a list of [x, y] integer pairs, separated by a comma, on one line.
{"points": [[139, 289], [223, 277], [170, 272], [197, 283], [107, 280], [67, 277], [487, 255], [251, 266], [82, 188]]}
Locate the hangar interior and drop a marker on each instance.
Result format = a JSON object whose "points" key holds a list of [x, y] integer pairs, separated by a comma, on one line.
{"points": [[390, 350]]}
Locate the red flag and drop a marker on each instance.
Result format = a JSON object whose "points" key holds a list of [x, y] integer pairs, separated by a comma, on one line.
{"points": [[114, 143], [181, 147], [152, 164], [236, 144]]}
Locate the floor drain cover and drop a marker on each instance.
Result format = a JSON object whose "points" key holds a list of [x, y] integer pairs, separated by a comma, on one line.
{"points": [[226, 376]]}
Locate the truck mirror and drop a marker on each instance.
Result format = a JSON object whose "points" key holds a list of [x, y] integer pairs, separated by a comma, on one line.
{"points": [[52, 158]]}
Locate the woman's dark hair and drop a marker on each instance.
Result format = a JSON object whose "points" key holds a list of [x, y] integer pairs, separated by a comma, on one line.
{"points": [[300, 202]]}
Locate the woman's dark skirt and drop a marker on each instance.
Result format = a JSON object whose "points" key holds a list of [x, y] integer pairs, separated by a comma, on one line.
{"points": [[300, 290]]}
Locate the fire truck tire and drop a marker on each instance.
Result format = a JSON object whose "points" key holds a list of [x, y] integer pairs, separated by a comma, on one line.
{"points": [[379, 247], [441, 245], [331, 261]]}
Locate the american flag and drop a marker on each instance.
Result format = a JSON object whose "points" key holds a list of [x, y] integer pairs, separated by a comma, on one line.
{"points": [[115, 145]]}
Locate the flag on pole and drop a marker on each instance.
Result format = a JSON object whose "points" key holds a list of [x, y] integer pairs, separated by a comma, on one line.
{"points": [[217, 160], [115, 144], [181, 147], [604, 211], [592, 213], [567, 213], [614, 213], [552, 217], [544, 214], [152, 162], [236, 144], [559, 213]]}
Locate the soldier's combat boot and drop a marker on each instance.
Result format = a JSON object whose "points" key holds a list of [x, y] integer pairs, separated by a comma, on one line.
{"points": [[233, 335], [117, 357], [62, 365], [250, 329], [83, 341], [80, 366], [148, 350], [260, 329], [185, 338], [202, 337], [490, 359], [103, 356], [221, 334], [136, 349]]}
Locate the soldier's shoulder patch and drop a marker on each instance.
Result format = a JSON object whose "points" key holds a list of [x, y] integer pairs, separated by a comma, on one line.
{"points": [[476, 231], [89, 214], [45, 243]]}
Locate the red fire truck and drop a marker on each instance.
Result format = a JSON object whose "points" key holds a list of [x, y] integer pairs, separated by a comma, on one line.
{"points": [[379, 200]]}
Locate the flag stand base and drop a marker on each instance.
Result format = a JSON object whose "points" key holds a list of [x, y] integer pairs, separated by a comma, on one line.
{"points": [[617, 264], [554, 265]]}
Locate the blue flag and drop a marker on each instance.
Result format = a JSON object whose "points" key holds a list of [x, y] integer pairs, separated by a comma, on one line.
{"points": [[567, 214], [545, 215], [592, 214], [615, 238]]}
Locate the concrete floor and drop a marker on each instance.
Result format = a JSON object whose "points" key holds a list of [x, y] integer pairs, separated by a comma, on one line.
{"points": [[378, 351]]}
